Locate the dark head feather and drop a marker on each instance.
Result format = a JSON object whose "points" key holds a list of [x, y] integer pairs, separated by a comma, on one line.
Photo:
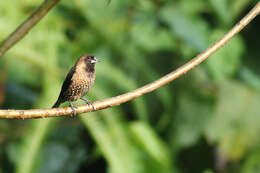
{"points": [[89, 61]]}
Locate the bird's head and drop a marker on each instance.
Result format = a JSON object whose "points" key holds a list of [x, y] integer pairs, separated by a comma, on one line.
{"points": [[90, 59], [87, 62]]}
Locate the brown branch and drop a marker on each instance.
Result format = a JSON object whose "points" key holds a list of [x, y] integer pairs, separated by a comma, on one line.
{"points": [[25, 27], [114, 101]]}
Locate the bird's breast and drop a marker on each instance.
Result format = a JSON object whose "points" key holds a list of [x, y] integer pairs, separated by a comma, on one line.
{"points": [[81, 83]]}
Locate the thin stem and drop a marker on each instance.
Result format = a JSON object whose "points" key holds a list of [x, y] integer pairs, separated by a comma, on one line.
{"points": [[25, 27], [115, 101]]}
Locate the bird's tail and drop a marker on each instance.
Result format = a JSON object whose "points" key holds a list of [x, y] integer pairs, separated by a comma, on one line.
{"points": [[57, 104]]}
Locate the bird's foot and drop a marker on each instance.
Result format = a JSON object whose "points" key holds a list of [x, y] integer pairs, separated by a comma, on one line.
{"points": [[73, 113], [89, 103]]}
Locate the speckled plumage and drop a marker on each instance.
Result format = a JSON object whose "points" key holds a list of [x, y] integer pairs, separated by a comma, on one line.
{"points": [[79, 80]]}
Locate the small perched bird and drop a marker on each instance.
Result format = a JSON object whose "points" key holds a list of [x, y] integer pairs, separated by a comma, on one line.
{"points": [[79, 80]]}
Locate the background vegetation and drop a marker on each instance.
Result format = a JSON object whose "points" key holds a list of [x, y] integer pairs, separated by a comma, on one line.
{"points": [[207, 121]]}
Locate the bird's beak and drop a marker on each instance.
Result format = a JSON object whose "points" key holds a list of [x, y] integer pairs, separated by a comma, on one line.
{"points": [[95, 60]]}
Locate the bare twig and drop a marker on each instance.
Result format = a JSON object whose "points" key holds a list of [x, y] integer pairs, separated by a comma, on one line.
{"points": [[114, 101], [25, 27]]}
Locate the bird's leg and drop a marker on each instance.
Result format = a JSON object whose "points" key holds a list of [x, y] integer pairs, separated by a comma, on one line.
{"points": [[73, 109], [89, 103]]}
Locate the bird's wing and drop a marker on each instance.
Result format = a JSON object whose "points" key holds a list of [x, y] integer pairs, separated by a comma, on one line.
{"points": [[67, 82]]}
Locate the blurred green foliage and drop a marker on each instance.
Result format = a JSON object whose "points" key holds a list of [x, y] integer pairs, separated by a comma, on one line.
{"points": [[206, 121]]}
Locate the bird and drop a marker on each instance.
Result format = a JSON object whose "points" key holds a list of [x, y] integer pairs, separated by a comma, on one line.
{"points": [[78, 82]]}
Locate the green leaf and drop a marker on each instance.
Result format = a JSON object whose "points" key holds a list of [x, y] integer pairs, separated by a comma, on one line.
{"points": [[194, 109], [252, 165], [150, 142], [222, 9], [190, 29], [119, 156], [225, 62], [31, 145], [234, 125], [208, 171], [150, 37], [238, 7]]}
